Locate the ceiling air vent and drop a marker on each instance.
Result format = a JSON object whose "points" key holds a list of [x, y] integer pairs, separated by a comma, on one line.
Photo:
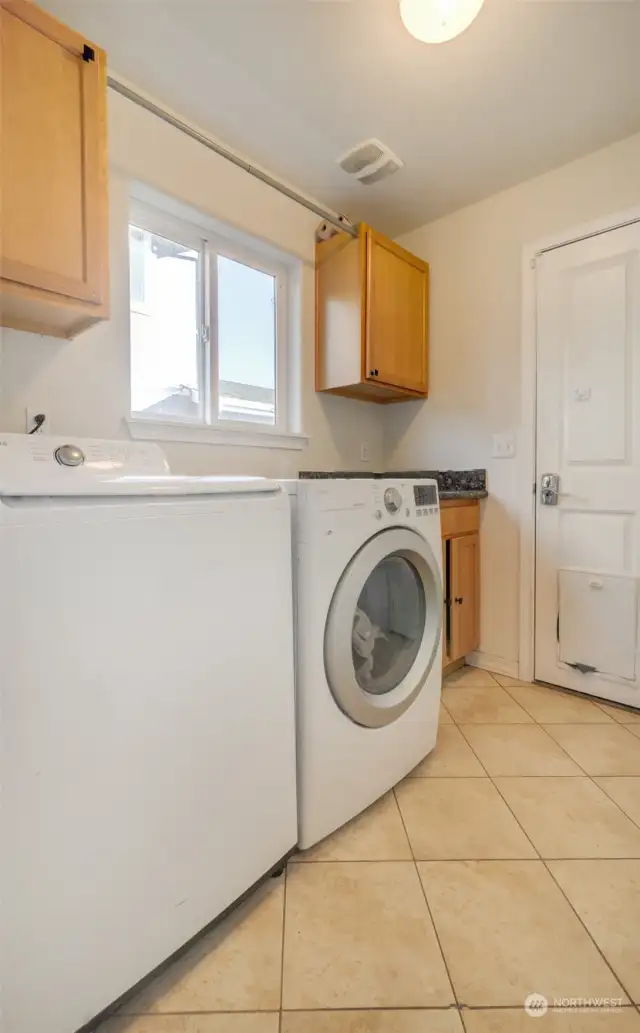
{"points": [[369, 162]]}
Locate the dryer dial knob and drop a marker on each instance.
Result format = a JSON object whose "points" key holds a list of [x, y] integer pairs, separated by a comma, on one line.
{"points": [[392, 500], [69, 455]]}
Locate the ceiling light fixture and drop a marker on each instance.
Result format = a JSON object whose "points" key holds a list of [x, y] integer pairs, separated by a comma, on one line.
{"points": [[436, 21]]}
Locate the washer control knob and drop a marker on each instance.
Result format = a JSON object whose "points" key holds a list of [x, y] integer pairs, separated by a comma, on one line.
{"points": [[378, 514], [69, 455], [392, 500]]}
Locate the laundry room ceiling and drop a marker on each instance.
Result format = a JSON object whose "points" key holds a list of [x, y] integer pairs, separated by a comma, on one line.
{"points": [[293, 84]]}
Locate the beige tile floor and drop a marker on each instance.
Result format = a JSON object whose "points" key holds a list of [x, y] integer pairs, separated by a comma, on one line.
{"points": [[507, 863]]}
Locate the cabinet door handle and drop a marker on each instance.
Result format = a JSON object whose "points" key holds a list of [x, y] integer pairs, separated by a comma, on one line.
{"points": [[458, 599]]}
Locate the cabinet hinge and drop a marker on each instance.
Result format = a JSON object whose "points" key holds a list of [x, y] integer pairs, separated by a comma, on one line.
{"points": [[88, 53]]}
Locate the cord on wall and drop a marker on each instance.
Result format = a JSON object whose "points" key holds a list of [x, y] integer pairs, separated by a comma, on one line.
{"points": [[38, 420]]}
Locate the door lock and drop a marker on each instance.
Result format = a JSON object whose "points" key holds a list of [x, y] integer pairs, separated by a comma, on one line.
{"points": [[549, 489]]}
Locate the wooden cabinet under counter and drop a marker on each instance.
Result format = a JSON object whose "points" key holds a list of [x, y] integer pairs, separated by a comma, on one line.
{"points": [[372, 300], [53, 175], [460, 523]]}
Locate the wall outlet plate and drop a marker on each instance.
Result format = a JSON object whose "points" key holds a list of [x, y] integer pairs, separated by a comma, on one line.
{"points": [[364, 452], [30, 417], [504, 446]]}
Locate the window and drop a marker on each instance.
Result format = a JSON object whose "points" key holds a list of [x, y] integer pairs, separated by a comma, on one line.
{"points": [[208, 328]]}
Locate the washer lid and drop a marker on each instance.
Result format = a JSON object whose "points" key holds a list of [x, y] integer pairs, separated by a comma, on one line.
{"points": [[42, 465]]}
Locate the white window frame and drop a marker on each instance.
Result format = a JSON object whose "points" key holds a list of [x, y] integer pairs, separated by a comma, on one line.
{"points": [[211, 428]]}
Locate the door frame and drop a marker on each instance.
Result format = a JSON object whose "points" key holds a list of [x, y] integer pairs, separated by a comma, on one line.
{"points": [[528, 416]]}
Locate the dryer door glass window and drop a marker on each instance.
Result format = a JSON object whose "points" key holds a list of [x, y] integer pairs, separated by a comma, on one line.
{"points": [[388, 625], [383, 628]]}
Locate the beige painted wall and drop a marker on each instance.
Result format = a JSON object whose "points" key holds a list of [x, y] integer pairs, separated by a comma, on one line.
{"points": [[83, 385], [475, 257]]}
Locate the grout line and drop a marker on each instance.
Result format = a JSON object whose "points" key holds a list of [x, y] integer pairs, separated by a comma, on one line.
{"points": [[433, 924], [619, 806], [584, 926], [284, 925]]}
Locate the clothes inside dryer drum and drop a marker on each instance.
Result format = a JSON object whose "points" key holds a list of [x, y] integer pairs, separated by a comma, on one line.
{"points": [[388, 625]]}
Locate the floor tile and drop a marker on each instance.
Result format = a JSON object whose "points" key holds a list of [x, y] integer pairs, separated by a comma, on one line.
{"points": [[483, 704], [452, 757], [375, 835], [600, 749], [551, 706], [633, 728], [234, 968], [360, 936], [506, 931], [445, 717], [519, 750], [508, 1020], [570, 817], [460, 818], [624, 717], [409, 1021], [505, 680], [606, 895], [469, 676], [625, 791], [265, 1022]]}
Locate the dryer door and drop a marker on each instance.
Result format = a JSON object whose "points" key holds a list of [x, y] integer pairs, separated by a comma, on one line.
{"points": [[384, 626]]}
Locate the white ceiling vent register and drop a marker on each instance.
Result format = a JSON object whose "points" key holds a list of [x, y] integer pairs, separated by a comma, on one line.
{"points": [[369, 162]]}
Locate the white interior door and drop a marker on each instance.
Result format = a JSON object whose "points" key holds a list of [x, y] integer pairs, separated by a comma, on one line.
{"points": [[588, 435]]}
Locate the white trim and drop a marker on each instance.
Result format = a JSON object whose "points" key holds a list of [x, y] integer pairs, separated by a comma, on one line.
{"points": [[243, 435], [491, 662], [530, 252]]}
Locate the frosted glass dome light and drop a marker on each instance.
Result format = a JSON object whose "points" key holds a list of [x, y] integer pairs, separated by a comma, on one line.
{"points": [[436, 21]]}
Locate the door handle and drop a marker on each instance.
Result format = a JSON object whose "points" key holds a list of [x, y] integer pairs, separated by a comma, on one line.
{"points": [[549, 489]]}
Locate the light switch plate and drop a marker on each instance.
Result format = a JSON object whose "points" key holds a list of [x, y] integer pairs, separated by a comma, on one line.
{"points": [[504, 446]]}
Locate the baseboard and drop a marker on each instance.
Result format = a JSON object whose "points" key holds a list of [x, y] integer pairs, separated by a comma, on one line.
{"points": [[491, 662]]}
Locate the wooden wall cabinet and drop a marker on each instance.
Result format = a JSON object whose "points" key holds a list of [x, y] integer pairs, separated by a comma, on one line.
{"points": [[53, 175], [372, 301], [461, 576]]}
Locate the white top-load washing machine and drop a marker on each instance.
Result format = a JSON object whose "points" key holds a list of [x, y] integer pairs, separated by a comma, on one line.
{"points": [[368, 604], [147, 725]]}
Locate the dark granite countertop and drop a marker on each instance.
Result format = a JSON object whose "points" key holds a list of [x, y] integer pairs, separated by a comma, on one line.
{"points": [[452, 484]]}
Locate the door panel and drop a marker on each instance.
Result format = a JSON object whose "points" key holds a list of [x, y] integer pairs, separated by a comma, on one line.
{"points": [[588, 432], [53, 165], [464, 581], [397, 311]]}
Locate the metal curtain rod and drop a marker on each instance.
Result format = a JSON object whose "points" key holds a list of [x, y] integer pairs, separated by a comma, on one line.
{"points": [[339, 221]]}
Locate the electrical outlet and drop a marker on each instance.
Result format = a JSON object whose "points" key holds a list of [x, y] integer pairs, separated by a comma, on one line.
{"points": [[30, 413], [364, 452]]}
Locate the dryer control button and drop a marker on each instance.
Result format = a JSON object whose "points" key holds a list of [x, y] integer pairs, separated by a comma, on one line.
{"points": [[378, 514], [69, 455], [392, 500]]}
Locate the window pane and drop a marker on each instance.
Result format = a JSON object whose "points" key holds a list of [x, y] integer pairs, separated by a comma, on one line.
{"points": [[165, 377], [246, 343]]}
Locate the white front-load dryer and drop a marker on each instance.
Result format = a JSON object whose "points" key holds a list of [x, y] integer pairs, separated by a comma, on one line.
{"points": [[368, 605]]}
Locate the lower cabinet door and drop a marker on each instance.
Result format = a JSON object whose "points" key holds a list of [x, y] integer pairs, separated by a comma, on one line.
{"points": [[464, 583]]}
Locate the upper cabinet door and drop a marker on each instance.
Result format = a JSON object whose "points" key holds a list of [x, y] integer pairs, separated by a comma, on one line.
{"points": [[397, 315], [53, 161]]}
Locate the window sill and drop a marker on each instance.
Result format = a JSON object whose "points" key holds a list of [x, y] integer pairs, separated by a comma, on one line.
{"points": [[247, 436]]}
